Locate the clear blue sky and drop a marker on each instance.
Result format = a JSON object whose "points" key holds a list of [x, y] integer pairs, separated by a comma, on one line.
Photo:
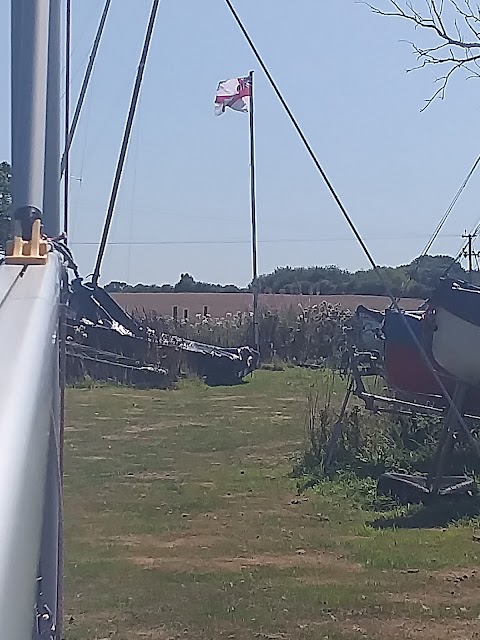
{"points": [[186, 185]]}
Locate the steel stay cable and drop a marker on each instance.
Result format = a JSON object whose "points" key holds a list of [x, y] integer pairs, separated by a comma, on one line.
{"points": [[450, 208], [354, 230]]}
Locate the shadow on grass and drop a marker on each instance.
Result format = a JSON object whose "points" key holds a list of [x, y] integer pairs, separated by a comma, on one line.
{"points": [[219, 382], [437, 513]]}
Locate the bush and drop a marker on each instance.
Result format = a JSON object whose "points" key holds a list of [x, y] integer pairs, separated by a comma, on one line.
{"points": [[302, 335], [371, 443]]}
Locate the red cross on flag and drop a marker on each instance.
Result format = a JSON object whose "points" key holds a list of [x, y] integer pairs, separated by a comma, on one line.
{"points": [[235, 94]]}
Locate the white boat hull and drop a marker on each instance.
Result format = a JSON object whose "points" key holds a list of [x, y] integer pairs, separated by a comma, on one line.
{"points": [[456, 346]]}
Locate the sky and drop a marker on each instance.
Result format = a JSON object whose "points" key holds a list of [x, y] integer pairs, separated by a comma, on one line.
{"points": [[184, 202]]}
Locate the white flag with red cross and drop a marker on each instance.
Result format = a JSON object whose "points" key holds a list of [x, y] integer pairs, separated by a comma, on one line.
{"points": [[234, 94]]}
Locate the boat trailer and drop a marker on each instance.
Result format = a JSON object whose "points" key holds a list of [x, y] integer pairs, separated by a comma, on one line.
{"points": [[418, 395]]}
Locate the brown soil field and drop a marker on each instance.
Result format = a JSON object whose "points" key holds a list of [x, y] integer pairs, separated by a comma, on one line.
{"points": [[218, 305]]}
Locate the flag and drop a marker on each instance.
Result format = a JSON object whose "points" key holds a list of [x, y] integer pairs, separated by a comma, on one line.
{"points": [[234, 93]]}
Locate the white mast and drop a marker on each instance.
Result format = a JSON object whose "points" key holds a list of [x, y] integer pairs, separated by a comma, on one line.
{"points": [[30, 288], [29, 100]]}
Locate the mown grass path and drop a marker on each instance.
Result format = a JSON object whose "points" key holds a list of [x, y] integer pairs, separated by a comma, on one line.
{"points": [[182, 522]]}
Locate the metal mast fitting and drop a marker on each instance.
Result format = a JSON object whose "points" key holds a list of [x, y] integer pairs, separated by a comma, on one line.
{"points": [[27, 246]]}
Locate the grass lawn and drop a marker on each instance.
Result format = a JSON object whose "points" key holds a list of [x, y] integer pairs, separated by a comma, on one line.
{"points": [[182, 522]]}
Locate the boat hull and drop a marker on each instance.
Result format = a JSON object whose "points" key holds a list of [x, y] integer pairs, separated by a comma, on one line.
{"points": [[456, 346], [405, 367]]}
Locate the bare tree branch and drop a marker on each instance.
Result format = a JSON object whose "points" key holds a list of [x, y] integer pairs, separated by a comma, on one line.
{"points": [[453, 23]]}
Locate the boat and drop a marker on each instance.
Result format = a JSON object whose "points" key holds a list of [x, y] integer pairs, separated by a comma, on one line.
{"points": [[406, 368], [455, 310], [368, 325], [105, 342], [408, 373]]}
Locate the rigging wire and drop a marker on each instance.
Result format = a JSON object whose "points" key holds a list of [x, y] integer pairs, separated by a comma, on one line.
{"points": [[85, 83], [304, 139], [135, 146], [82, 28], [447, 213], [384, 281], [125, 141], [78, 195]]}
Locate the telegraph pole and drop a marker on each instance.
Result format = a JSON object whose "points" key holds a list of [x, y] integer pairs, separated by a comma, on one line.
{"points": [[468, 252]]}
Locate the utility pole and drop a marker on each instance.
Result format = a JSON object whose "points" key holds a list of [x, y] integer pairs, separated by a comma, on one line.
{"points": [[469, 253]]}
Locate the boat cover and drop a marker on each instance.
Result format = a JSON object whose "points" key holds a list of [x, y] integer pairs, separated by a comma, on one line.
{"points": [[459, 298]]}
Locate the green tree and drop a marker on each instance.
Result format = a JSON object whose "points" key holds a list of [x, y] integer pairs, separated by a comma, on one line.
{"points": [[5, 201], [415, 280]]}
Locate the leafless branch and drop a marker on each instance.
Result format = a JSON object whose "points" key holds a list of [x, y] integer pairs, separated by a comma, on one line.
{"points": [[454, 23]]}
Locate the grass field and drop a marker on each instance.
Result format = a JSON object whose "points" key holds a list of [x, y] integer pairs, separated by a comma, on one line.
{"points": [[182, 522]]}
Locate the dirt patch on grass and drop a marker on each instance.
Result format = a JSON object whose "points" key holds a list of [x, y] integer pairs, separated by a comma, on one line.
{"points": [[244, 407], [451, 590], [457, 575], [239, 563], [156, 634], [118, 437], [405, 629], [227, 398], [124, 394], [78, 429], [201, 541], [151, 476], [135, 429]]}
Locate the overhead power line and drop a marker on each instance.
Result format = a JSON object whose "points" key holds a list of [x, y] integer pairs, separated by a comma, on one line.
{"points": [[447, 213], [266, 241]]}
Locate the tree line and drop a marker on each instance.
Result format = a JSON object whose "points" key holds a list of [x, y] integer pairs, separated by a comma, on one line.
{"points": [[186, 284], [414, 280]]}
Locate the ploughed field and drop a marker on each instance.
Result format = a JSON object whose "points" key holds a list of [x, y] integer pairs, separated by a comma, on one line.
{"points": [[182, 522]]}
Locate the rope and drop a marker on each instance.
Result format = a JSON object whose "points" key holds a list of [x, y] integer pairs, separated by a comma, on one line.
{"points": [[454, 409]]}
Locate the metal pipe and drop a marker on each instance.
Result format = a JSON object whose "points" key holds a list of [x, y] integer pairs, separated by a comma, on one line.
{"points": [[253, 211], [125, 141], [85, 83], [51, 194], [29, 44]]}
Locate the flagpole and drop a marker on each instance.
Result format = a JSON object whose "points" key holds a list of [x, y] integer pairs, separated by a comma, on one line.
{"points": [[256, 336]]}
